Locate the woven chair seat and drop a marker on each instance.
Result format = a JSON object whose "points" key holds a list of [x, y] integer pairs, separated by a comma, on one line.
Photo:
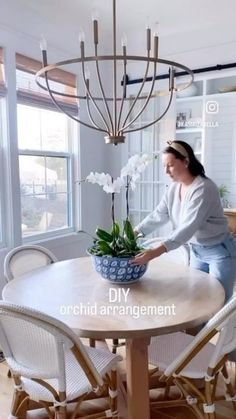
{"points": [[163, 350], [76, 380]]}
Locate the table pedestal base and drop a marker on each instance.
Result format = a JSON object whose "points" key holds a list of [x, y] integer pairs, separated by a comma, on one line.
{"points": [[137, 378]]}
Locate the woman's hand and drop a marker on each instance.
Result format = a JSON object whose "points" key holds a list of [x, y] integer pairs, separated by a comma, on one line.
{"points": [[137, 233], [147, 255], [142, 258]]}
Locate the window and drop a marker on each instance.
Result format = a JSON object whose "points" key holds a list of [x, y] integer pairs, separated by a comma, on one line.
{"points": [[45, 142], [149, 188], [153, 182], [2, 105]]}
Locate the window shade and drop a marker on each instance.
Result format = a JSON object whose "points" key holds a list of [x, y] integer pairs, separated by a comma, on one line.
{"points": [[2, 76], [29, 93]]}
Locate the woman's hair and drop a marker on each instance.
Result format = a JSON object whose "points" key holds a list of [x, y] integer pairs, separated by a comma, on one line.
{"points": [[181, 151]]}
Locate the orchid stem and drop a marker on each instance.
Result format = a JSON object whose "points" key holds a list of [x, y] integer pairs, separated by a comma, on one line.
{"points": [[113, 208], [127, 198]]}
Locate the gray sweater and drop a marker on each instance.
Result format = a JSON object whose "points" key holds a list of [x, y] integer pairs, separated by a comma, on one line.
{"points": [[198, 218]]}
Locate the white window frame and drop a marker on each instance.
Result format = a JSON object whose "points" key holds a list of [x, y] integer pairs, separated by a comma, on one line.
{"points": [[70, 201], [2, 183], [31, 97]]}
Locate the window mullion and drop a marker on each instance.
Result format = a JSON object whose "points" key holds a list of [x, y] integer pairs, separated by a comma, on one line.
{"points": [[43, 153], [13, 204]]}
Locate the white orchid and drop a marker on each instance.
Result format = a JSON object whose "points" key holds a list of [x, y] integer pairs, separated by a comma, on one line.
{"points": [[135, 166], [133, 169], [133, 181], [99, 178], [115, 186], [105, 180], [128, 177]]}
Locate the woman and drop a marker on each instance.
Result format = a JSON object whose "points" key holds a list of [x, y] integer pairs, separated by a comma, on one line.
{"points": [[193, 206]]}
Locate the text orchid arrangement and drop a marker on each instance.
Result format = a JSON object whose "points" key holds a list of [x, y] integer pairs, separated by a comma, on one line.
{"points": [[119, 242]]}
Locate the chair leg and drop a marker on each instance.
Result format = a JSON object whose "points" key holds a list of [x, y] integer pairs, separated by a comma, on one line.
{"points": [[92, 343], [209, 399], [23, 409], [228, 385], [113, 393], [115, 343], [60, 412], [194, 406], [19, 404]]}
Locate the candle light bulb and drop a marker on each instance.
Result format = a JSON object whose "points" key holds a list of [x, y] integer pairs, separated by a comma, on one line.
{"points": [[157, 29], [87, 74], [43, 44], [95, 14], [124, 40], [81, 35]]}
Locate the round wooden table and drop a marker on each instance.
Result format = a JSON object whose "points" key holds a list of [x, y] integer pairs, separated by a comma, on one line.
{"points": [[168, 298]]}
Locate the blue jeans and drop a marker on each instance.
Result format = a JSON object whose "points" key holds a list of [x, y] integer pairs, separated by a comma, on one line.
{"points": [[218, 260]]}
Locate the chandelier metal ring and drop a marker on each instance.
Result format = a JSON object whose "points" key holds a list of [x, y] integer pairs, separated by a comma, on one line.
{"points": [[132, 58], [113, 118]]}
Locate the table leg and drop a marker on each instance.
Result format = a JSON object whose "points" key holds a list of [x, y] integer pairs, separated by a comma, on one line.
{"points": [[137, 378]]}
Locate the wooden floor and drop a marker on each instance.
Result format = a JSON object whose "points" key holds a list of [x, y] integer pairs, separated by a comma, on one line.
{"points": [[224, 409]]}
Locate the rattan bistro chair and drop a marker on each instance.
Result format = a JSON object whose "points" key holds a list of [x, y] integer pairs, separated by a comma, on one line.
{"points": [[26, 258], [54, 367], [182, 359]]}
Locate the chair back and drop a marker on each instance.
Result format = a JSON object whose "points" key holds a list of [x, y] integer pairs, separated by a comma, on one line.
{"points": [[35, 344], [24, 259], [224, 322], [180, 255]]}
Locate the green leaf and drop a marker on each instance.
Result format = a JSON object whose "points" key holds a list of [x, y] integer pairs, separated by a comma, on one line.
{"points": [[116, 230], [129, 232], [132, 244], [105, 248], [104, 235]]}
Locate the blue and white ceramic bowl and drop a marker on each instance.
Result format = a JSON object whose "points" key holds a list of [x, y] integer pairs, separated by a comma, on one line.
{"points": [[118, 270]]}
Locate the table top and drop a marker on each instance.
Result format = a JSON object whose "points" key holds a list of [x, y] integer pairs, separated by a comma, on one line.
{"points": [[230, 211], [169, 297]]}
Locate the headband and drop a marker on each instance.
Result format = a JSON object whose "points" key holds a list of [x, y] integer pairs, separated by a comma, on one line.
{"points": [[178, 147]]}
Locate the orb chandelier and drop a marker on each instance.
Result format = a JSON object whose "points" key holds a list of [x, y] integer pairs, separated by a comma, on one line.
{"points": [[108, 113]]}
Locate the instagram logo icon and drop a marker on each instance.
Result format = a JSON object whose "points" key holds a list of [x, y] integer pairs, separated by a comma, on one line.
{"points": [[212, 106]]}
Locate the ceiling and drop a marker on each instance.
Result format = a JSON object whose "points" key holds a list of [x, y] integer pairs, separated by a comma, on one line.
{"points": [[184, 26]]}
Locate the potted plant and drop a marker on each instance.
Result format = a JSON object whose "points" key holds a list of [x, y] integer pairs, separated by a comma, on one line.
{"points": [[112, 250], [223, 191]]}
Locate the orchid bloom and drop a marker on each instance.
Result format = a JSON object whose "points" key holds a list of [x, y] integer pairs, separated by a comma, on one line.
{"points": [[99, 178], [115, 186], [135, 166], [133, 169], [105, 180]]}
